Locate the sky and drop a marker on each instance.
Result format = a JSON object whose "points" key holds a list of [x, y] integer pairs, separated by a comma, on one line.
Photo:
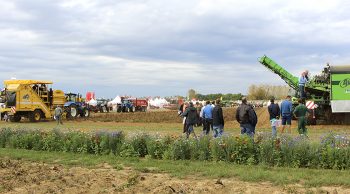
{"points": [[164, 48]]}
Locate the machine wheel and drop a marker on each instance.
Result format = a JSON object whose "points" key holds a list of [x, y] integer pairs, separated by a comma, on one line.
{"points": [[132, 109], [15, 118], [119, 109], [73, 111], [107, 108], [35, 116], [85, 113], [144, 109]]}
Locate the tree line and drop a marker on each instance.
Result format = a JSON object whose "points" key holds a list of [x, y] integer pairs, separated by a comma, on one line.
{"points": [[255, 92]]}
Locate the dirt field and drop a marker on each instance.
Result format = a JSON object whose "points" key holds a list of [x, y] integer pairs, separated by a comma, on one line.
{"points": [[28, 177]]}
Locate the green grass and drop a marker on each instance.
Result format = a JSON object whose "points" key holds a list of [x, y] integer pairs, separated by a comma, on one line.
{"points": [[278, 176], [315, 132]]}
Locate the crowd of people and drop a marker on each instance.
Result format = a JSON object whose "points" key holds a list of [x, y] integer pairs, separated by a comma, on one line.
{"points": [[210, 116]]}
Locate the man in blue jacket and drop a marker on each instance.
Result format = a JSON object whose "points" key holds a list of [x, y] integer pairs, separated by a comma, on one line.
{"points": [[208, 117], [286, 112]]}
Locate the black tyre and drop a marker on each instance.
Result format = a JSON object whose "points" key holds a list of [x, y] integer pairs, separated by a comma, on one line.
{"points": [[72, 111], [85, 113], [35, 116], [15, 118]]}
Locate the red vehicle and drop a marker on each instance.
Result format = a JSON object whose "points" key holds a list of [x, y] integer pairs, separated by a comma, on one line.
{"points": [[132, 105]]}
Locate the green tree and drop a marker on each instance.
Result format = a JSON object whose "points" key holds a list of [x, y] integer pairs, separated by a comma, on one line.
{"points": [[191, 94]]}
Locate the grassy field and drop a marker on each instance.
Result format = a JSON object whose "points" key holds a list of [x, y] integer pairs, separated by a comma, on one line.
{"points": [[278, 176], [231, 127]]}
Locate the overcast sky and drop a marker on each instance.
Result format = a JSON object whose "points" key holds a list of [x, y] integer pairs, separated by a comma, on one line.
{"points": [[165, 47]]}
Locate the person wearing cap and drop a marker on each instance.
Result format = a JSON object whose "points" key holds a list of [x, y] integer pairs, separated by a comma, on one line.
{"points": [[191, 119], [286, 113], [247, 118], [274, 112], [304, 78]]}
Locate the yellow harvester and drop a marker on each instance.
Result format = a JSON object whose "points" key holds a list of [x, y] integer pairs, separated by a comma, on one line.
{"points": [[30, 98]]}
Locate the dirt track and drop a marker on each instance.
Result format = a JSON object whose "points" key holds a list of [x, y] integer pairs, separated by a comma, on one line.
{"points": [[28, 177]]}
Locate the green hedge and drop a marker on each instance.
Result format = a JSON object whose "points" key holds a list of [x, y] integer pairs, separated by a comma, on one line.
{"points": [[332, 152]]}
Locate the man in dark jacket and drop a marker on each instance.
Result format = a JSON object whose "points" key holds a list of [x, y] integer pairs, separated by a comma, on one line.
{"points": [[218, 120], [247, 118], [191, 119], [274, 111]]}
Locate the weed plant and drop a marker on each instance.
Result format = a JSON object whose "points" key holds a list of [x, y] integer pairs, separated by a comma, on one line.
{"points": [[332, 152]]}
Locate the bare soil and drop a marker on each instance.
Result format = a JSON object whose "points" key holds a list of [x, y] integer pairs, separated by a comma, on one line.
{"points": [[19, 176]]}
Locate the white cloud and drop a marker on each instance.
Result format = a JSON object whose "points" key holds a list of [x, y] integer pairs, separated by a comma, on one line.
{"points": [[169, 45]]}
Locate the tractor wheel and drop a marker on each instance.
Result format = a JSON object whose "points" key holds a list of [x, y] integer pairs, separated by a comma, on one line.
{"points": [[103, 109], [144, 109], [35, 116], [119, 109], [132, 109], [15, 118], [107, 108], [85, 113], [72, 111]]}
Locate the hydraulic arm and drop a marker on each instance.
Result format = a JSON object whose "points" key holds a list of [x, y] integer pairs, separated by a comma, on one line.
{"points": [[290, 79]]}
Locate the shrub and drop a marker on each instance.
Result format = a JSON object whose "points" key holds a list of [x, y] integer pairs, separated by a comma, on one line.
{"points": [[5, 134], [127, 151], [200, 148], [157, 146], [107, 142], [240, 149], [180, 149], [139, 143], [76, 142], [332, 153], [54, 141]]}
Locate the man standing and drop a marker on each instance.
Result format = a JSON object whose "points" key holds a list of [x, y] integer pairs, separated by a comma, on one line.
{"points": [[199, 119], [191, 119], [246, 117], [274, 111], [304, 78], [301, 113], [208, 117], [286, 112], [58, 115], [218, 120]]}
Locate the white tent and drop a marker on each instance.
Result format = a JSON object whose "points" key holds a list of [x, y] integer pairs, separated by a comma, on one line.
{"points": [[158, 102], [92, 102], [114, 103], [116, 100]]}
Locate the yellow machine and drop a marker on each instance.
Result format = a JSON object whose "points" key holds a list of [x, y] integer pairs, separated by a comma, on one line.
{"points": [[30, 98]]}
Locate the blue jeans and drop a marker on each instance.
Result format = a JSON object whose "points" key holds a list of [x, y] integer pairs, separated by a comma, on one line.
{"points": [[302, 91], [189, 129], [274, 131], [218, 130], [247, 129]]}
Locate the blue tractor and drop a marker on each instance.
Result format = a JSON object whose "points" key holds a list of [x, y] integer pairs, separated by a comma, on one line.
{"points": [[74, 106]]}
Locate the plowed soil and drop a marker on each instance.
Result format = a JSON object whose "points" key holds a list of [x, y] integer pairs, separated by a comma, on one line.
{"points": [[30, 177]]}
